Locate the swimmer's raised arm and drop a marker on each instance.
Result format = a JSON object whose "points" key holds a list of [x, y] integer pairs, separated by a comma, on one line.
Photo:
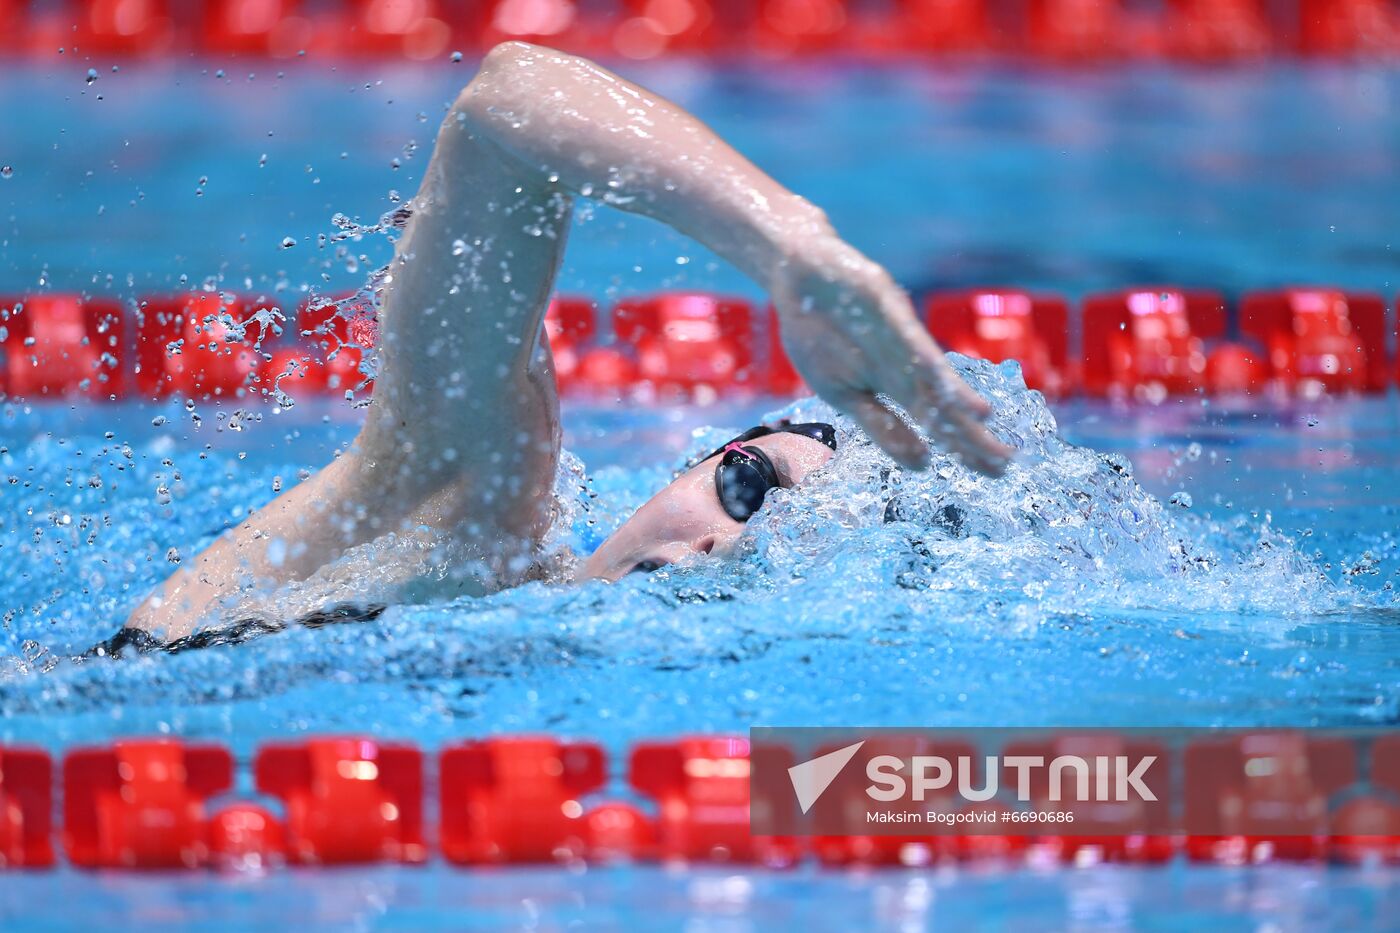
{"points": [[461, 443], [850, 330]]}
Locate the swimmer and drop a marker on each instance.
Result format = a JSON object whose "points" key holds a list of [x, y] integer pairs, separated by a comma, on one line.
{"points": [[462, 439]]}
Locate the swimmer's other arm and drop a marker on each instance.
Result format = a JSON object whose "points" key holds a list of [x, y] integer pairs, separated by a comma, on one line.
{"points": [[851, 331]]}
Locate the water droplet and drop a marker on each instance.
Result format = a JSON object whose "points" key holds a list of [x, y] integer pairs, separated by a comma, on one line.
{"points": [[162, 495], [7, 171], [456, 57], [288, 242], [219, 73], [1181, 499], [91, 75], [157, 421], [173, 555], [1312, 421]]}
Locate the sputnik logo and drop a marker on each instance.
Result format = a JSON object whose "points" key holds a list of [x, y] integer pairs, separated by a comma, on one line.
{"points": [[811, 778]]}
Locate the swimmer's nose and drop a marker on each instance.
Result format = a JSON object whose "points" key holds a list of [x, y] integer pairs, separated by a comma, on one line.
{"points": [[714, 543]]}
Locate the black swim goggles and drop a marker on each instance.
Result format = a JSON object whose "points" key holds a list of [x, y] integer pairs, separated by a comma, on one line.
{"points": [[745, 474]]}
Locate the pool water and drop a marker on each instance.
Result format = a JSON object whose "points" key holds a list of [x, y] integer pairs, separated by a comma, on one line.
{"points": [[1106, 899], [1068, 180], [1249, 581], [1301, 631]]}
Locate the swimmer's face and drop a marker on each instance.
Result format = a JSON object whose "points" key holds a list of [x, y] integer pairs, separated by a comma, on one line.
{"points": [[686, 517]]}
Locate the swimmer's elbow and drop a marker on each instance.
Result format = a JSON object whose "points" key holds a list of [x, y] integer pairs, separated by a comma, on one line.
{"points": [[492, 87], [512, 54], [510, 76]]}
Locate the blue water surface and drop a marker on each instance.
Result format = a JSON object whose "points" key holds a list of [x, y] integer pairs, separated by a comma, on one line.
{"points": [[1250, 581]]}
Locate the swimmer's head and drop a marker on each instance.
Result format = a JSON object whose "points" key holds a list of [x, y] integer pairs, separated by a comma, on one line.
{"points": [[703, 510]]}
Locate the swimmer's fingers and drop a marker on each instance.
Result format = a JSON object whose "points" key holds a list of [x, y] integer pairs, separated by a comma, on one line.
{"points": [[932, 366], [885, 427], [942, 413], [943, 405]]}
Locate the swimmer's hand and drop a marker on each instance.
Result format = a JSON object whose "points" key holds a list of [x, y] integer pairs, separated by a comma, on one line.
{"points": [[853, 335]]}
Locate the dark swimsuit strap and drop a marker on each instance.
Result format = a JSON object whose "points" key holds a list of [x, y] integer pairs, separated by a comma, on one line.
{"points": [[135, 641]]}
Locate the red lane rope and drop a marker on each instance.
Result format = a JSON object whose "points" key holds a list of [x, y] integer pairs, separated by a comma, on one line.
{"points": [[162, 803], [1146, 343], [1055, 30]]}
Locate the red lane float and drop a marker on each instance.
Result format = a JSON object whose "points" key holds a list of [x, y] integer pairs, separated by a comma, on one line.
{"points": [[701, 787], [413, 29], [557, 23], [62, 345], [246, 837], [199, 345], [1216, 30], [1148, 342], [117, 27], [1266, 793], [1348, 27], [619, 832], [517, 800], [689, 343], [569, 326], [335, 334], [783, 377], [988, 847], [1248, 798], [422, 30], [1003, 324], [1233, 369], [140, 803], [1366, 828], [1076, 29], [785, 27], [942, 26], [1320, 339], [26, 805], [649, 28], [580, 367], [1099, 825], [15, 15], [254, 27], [348, 799], [843, 804]]}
